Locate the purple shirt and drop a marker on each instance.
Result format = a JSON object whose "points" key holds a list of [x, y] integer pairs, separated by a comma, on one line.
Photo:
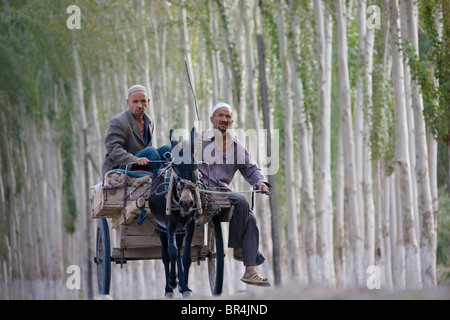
{"points": [[223, 165]]}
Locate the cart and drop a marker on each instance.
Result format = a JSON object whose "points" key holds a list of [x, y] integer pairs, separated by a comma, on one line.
{"points": [[120, 208]]}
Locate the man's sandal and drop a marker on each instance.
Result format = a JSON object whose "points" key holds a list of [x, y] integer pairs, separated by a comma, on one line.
{"points": [[256, 280]]}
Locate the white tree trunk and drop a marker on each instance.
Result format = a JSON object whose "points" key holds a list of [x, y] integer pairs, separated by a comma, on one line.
{"points": [[215, 78], [329, 271], [263, 205], [54, 174], [293, 242], [185, 45], [355, 249], [386, 230], [431, 141], [410, 119], [308, 217], [399, 277], [145, 69], [359, 105], [383, 252], [367, 193], [164, 122], [412, 257], [322, 157], [428, 235], [380, 252], [251, 69], [339, 225]]}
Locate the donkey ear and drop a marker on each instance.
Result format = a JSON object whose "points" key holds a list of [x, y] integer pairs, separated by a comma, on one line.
{"points": [[193, 140], [173, 141], [193, 135]]}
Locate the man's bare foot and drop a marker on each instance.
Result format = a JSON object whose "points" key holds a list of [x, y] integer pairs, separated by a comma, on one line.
{"points": [[252, 277], [249, 271]]}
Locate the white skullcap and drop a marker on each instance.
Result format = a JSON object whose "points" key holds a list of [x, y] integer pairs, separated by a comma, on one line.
{"points": [[221, 105], [136, 88]]}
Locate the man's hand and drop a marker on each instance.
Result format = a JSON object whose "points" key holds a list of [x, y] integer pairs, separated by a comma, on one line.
{"points": [[263, 188], [142, 161]]}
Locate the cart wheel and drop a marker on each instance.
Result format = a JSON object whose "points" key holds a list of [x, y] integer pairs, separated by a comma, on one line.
{"points": [[103, 257], [216, 256]]}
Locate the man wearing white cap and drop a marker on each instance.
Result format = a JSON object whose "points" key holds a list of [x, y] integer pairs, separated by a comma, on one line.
{"points": [[129, 136], [225, 155]]}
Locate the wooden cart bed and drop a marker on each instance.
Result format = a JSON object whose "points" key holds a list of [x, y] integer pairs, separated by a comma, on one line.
{"points": [[141, 242]]}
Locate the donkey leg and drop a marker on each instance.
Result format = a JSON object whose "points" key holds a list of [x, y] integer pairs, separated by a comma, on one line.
{"points": [[179, 239], [166, 260], [172, 251], [187, 259]]}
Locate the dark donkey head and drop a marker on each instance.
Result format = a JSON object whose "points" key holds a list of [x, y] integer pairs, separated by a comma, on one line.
{"points": [[186, 173]]}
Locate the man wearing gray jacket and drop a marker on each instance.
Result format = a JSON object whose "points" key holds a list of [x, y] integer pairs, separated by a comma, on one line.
{"points": [[129, 136]]}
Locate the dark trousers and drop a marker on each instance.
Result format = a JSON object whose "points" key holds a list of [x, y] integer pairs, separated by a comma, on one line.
{"points": [[152, 154], [243, 231]]}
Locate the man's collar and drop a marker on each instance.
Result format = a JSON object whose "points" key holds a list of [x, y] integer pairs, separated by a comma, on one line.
{"points": [[131, 117]]}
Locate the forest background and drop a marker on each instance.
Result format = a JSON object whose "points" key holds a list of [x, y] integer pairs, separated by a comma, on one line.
{"points": [[358, 91]]}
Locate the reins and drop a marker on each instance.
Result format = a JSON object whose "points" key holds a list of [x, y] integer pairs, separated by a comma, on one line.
{"points": [[196, 187]]}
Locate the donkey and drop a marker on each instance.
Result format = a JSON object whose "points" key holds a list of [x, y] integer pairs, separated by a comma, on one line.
{"points": [[179, 218]]}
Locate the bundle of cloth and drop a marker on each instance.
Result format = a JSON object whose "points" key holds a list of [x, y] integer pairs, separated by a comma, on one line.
{"points": [[116, 178]]}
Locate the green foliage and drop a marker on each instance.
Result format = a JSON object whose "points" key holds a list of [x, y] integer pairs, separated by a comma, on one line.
{"points": [[383, 124], [382, 98], [355, 57], [270, 27], [35, 54], [307, 69], [436, 54], [231, 48], [67, 151], [443, 228]]}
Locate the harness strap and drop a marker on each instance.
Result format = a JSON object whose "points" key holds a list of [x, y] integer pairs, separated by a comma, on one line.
{"points": [[142, 216], [199, 201], [169, 194]]}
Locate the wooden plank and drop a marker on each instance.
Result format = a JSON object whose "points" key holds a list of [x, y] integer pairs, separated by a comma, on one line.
{"points": [[117, 219], [131, 212], [199, 237], [138, 253], [139, 241], [108, 202], [133, 229], [145, 236], [135, 236], [100, 209], [154, 253]]}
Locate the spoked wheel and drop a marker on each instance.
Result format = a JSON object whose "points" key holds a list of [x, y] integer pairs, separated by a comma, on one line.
{"points": [[103, 257], [215, 256]]}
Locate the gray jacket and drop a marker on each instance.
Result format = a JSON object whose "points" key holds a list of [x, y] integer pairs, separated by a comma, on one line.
{"points": [[123, 140]]}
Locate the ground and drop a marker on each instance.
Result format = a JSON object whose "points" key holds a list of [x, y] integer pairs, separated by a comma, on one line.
{"points": [[294, 291]]}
